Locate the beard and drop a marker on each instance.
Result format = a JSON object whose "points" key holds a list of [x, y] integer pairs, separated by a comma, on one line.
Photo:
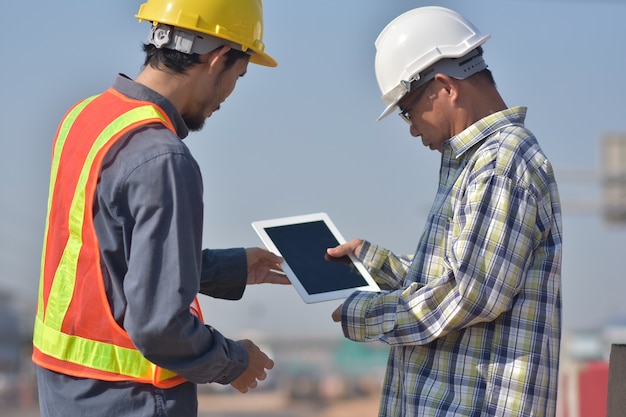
{"points": [[195, 122]]}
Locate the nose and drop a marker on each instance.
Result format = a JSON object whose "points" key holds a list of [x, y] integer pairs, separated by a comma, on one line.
{"points": [[415, 132]]}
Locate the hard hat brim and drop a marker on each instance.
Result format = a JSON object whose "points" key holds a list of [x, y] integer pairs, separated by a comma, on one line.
{"points": [[390, 109], [261, 58]]}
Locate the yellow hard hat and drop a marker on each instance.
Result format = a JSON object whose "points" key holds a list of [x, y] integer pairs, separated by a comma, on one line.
{"points": [[239, 22]]}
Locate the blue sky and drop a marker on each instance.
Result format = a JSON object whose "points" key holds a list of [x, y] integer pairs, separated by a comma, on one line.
{"points": [[302, 137]]}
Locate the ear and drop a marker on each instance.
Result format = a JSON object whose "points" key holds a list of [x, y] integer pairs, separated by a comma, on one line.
{"points": [[449, 84], [216, 58]]}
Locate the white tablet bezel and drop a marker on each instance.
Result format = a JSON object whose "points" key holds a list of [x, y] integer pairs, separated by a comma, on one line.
{"points": [[260, 226]]}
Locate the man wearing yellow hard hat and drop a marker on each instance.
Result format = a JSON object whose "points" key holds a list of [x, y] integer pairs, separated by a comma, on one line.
{"points": [[119, 330]]}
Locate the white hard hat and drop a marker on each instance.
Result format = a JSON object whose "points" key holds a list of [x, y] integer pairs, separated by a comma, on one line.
{"points": [[420, 43]]}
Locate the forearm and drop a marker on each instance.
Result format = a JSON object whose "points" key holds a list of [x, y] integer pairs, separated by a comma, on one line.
{"points": [[224, 273], [367, 316], [163, 329], [387, 269], [470, 290], [206, 357]]}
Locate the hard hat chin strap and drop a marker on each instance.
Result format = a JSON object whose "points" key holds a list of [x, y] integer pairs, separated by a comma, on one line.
{"points": [[187, 41]]}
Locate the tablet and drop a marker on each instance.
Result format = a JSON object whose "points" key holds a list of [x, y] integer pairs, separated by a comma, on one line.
{"points": [[302, 241]]}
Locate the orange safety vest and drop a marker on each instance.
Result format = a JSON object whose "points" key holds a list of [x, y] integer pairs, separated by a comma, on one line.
{"points": [[75, 331]]}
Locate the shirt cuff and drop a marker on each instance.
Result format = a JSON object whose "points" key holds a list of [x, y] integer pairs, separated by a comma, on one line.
{"points": [[224, 273], [363, 315], [237, 364]]}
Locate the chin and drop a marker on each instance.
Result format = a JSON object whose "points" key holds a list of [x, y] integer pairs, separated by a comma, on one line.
{"points": [[195, 125]]}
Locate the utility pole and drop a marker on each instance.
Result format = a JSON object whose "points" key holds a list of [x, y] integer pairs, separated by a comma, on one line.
{"points": [[614, 178]]}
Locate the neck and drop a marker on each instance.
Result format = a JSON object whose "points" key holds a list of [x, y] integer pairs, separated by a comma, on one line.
{"points": [[172, 87], [483, 102]]}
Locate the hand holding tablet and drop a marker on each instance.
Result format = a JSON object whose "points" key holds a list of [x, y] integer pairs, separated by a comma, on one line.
{"points": [[302, 241]]}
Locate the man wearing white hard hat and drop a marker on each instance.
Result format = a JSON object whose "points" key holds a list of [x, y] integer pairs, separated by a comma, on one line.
{"points": [[473, 318]]}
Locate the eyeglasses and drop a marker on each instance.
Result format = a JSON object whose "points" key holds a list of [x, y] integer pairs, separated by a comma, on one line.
{"points": [[404, 113]]}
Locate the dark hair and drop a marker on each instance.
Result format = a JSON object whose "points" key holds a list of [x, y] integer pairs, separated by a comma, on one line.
{"points": [[484, 76], [233, 56], [180, 62], [169, 59]]}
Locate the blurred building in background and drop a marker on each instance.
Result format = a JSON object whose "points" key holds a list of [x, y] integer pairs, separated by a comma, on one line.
{"points": [[584, 379], [584, 376], [17, 380]]}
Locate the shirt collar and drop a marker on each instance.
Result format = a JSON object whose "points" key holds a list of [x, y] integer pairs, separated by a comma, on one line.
{"points": [[134, 90], [484, 128]]}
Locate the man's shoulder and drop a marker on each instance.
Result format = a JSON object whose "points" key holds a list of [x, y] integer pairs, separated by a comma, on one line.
{"points": [[152, 145]]}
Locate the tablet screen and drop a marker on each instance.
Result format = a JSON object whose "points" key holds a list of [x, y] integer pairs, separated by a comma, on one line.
{"points": [[302, 241], [304, 247]]}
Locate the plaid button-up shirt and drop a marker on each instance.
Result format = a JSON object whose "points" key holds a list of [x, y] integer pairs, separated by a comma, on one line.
{"points": [[474, 317]]}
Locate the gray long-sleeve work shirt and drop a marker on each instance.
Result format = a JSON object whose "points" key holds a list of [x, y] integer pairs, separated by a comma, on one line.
{"points": [[148, 214]]}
